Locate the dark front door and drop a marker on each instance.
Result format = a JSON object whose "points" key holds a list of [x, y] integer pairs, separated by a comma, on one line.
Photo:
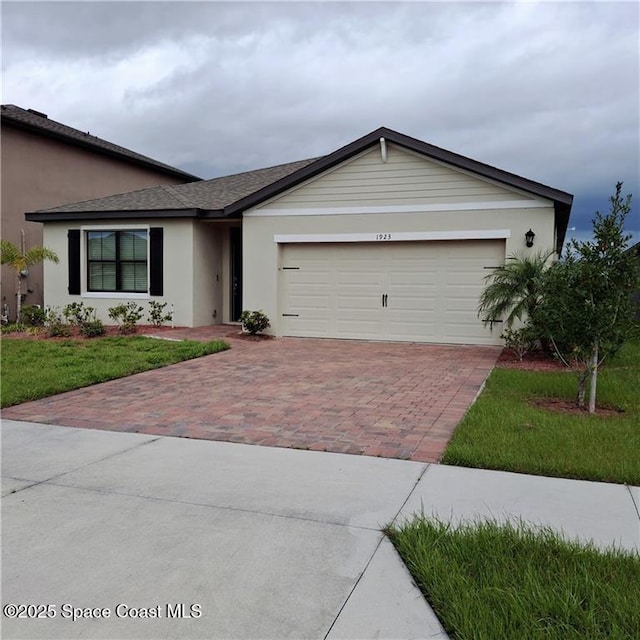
{"points": [[236, 273]]}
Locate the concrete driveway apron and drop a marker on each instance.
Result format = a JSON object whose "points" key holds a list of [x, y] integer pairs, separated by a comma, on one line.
{"points": [[394, 400]]}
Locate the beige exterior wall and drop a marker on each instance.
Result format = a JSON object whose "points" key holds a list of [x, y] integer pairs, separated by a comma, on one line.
{"points": [[207, 272], [191, 249], [39, 173], [405, 178], [286, 214]]}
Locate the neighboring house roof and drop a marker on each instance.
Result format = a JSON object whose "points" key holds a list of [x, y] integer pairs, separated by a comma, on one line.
{"points": [[230, 195], [40, 123]]}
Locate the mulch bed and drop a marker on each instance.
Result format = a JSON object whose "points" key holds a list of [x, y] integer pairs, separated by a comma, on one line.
{"points": [[141, 330], [110, 331], [570, 407], [540, 361], [531, 361]]}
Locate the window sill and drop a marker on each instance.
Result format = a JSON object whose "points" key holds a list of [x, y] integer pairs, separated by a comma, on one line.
{"points": [[115, 295]]}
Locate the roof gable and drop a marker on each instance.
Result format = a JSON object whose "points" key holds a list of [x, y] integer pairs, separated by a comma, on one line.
{"points": [[232, 195], [388, 174], [562, 201], [357, 146]]}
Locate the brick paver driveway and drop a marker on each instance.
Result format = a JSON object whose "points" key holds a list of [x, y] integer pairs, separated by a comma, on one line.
{"points": [[398, 400]]}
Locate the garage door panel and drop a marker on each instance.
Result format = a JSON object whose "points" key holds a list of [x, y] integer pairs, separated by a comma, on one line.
{"points": [[308, 277], [304, 302], [315, 328], [417, 318], [400, 304], [359, 279], [432, 290], [358, 325], [461, 304], [466, 278], [422, 277], [355, 302]]}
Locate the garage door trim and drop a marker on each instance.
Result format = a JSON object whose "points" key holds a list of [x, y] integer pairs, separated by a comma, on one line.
{"points": [[424, 291], [391, 236]]}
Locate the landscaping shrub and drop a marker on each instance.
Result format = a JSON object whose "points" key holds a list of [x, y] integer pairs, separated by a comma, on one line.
{"points": [[519, 340], [13, 327], [127, 316], [59, 330], [33, 315], [254, 322], [56, 327], [92, 328], [156, 314], [77, 314]]}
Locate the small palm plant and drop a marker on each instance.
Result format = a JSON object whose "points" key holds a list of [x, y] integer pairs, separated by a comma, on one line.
{"points": [[513, 290], [20, 260]]}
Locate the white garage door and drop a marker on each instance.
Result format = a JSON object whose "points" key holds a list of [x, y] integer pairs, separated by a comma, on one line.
{"points": [[413, 291]]}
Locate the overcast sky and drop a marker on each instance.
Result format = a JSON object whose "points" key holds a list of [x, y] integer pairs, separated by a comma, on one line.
{"points": [[550, 91]]}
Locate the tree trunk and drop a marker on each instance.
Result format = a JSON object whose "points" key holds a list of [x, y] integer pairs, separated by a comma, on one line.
{"points": [[594, 379], [19, 299], [582, 388]]}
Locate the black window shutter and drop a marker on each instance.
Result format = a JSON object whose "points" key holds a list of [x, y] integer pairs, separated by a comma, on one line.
{"points": [[156, 261], [73, 237]]}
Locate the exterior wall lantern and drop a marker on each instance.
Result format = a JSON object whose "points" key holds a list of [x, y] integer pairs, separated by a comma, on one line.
{"points": [[529, 236]]}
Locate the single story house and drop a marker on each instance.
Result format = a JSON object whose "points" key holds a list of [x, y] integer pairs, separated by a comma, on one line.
{"points": [[387, 238]]}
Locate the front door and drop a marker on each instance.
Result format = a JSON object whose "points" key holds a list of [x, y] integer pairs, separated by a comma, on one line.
{"points": [[236, 273]]}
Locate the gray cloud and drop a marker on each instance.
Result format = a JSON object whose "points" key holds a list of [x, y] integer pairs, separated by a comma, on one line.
{"points": [[549, 91]]}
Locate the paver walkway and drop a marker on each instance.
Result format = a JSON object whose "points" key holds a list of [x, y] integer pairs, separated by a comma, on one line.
{"points": [[396, 400]]}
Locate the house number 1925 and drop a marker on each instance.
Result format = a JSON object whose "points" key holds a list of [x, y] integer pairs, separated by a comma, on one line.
{"points": [[383, 236]]}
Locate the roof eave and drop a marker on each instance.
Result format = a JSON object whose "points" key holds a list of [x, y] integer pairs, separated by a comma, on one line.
{"points": [[81, 216]]}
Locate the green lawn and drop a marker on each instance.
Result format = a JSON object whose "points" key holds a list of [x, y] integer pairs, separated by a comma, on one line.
{"points": [[504, 430], [486, 582], [33, 369]]}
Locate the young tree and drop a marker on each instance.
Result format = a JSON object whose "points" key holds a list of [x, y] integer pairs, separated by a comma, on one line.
{"points": [[586, 308], [513, 290], [20, 260]]}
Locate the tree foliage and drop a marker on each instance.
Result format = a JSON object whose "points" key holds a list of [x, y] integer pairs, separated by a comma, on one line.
{"points": [[20, 261], [586, 308], [513, 290]]}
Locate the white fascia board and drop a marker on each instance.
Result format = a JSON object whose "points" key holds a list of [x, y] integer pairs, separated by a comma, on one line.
{"points": [[390, 236], [405, 208]]}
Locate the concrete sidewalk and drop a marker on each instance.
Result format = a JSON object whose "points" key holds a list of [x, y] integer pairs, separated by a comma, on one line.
{"points": [[268, 542]]}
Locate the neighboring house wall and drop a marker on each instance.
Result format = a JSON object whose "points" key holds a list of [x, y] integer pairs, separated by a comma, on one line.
{"points": [[39, 172], [467, 209]]}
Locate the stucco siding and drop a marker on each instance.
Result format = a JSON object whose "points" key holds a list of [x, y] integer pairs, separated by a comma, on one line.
{"points": [[178, 270], [405, 178], [262, 254], [207, 273]]}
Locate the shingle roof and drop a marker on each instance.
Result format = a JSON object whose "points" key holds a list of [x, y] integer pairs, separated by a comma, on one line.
{"points": [[231, 195], [206, 195], [36, 121]]}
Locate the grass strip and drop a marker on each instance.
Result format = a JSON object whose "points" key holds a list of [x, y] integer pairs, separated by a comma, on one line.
{"points": [[505, 430], [489, 581], [33, 369]]}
